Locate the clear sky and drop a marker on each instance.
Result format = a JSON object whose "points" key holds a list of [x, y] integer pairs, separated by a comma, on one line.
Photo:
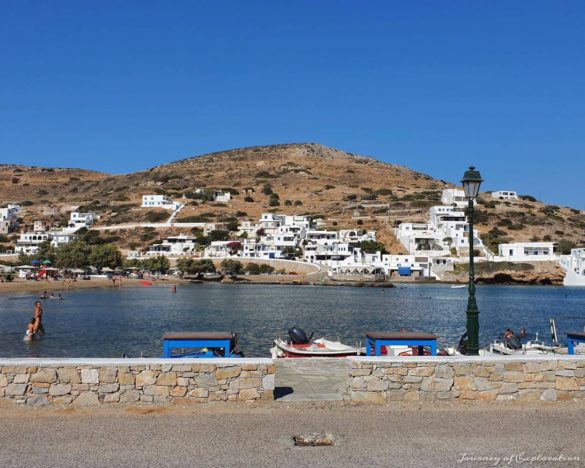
{"points": [[119, 86]]}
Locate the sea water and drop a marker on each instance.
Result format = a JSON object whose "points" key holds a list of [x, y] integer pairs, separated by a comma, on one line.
{"points": [[111, 322]]}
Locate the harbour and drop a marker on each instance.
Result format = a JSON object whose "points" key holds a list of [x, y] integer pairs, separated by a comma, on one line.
{"points": [[116, 322]]}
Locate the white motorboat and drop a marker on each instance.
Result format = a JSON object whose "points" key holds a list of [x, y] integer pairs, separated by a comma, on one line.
{"points": [[301, 345]]}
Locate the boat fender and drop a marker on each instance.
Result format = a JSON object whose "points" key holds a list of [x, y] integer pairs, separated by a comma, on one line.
{"points": [[298, 335]]}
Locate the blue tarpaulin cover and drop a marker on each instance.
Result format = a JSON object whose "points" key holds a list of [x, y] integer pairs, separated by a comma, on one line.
{"points": [[404, 271]]}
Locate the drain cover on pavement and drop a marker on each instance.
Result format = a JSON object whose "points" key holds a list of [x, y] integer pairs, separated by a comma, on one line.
{"points": [[314, 440]]}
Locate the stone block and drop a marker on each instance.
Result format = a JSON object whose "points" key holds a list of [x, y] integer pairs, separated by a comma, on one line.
{"points": [[46, 375], [496, 376], [181, 368], [20, 378], [515, 377], [421, 371], [412, 379], [147, 398], [199, 393], [558, 373], [62, 400], [461, 370], [167, 378], [206, 380], [568, 364], [487, 395], [39, 390], [79, 387], [37, 401], [231, 372], [531, 367], [178, 391], [234, 387], [156, 390], [444, 371], [125, 379], [507, 397], [467, 394], [359, 372], [481, 371], [108, 388], [129, 396], [112, 397], [549, 395], [15, 389], [219, 397], [513, 366], [89, 376], [482, 384], [3, 380], [68, 375], [59, 389], [507, 388], [376, 385], [108, 374], [395, 395], [529, 395], [252, 382], [247, 394], [144, 378], [433, 384], [566, 383], [182, 382], [87, 398], [205, 368], [464, 383], [166, 367], [161, 400], [249, 367], [268, 382]]}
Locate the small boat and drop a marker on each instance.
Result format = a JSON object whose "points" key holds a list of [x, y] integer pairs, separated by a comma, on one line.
{"points": [[458, 286], [300, 345], [145, 283]]}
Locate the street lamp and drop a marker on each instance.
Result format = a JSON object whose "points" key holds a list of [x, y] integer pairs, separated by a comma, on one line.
{"points": [[471, 182]]}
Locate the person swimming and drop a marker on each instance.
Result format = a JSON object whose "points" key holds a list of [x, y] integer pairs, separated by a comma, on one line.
{"points": [[29, 335]]}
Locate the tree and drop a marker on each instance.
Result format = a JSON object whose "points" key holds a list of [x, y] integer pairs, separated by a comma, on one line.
{"points": [[231, 267], [73, 255], [159, 263], [370, 246], [106, 255], [219, 235], [252, 268]]}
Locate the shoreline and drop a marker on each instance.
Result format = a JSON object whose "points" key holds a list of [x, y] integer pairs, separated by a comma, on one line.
{"points": [[27, 286]]}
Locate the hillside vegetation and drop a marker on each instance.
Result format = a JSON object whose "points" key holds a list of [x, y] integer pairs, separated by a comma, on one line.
{"points": [[344, 189]]}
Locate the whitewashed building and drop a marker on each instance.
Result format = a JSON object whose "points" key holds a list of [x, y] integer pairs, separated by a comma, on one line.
{"points": [[505, 195], [528, 252], [9, 218], [159, 201], [575, 266], [79, 220], [28, 242], [221, 197], [454, 196], [174, 246], [59, 238]]}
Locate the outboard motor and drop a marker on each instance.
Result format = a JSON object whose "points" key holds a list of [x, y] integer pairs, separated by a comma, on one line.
{"points": [[298, 335], [463, 344]]}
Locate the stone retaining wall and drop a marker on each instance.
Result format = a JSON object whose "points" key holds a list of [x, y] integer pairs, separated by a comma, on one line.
{"points": [[529, 378], [41, 382]]}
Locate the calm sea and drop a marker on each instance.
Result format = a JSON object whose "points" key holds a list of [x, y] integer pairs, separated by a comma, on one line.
{"points": [[111, 322]]}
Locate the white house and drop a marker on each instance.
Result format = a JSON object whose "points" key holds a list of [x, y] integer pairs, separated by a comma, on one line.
{"points": [[407, 265], [528, 252], [159, 201], [454, 196], [59, 238], [9, 218], [575, 266], [173, 246], [221, 197], [505, 195], [79, 220], [28, 242]]}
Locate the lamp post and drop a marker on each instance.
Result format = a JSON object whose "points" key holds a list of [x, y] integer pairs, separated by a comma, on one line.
{"points": [[471, 182]]}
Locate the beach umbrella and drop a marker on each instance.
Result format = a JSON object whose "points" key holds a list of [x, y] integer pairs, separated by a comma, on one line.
{"points": [[47, 262], [35, 262]]}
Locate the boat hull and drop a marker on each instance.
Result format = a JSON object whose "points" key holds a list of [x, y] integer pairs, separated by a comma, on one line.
{"points": [[318, 348]]}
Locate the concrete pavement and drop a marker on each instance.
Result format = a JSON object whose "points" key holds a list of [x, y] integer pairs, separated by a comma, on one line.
{"points": [[258, 436]]}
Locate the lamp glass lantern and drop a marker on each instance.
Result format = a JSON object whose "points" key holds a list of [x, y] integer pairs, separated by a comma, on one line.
{"points": [[471, 182]]}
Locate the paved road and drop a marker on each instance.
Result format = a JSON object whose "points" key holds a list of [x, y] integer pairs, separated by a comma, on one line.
{"points": [[262, 436]]}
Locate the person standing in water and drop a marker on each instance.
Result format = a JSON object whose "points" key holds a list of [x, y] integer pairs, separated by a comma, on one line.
{"points": [[30, 330], [38, 325]]}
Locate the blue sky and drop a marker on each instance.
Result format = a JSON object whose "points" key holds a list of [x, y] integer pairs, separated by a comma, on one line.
{"points": [[432, 85]]}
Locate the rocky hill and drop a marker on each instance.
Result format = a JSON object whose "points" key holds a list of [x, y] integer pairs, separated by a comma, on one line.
{"points": [[344, 189]]}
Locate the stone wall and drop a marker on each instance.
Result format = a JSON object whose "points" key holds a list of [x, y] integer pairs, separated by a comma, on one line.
{"points": [[41, 382], [528, 378]]}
